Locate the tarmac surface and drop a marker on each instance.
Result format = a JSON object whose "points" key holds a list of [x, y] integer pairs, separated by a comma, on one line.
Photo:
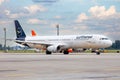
{"points": [[82, 66]]}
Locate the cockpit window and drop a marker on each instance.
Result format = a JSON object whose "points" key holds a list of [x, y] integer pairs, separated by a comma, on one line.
{"points": [[103, 38]]}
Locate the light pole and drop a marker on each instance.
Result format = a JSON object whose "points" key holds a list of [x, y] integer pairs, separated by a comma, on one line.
{"points": [[57, 26], [4, 39]]}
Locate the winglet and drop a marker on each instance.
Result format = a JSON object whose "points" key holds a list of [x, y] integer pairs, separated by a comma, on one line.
{"points": [[33, 33]]}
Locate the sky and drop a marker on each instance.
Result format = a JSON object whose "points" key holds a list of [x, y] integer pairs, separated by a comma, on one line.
{"points": [[73, 16]]}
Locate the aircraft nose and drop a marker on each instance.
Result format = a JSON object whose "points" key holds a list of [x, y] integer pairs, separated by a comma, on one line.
{"points": [[109, 43]]}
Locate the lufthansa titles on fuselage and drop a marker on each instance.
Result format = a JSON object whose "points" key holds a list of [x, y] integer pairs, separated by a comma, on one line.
{"points": [[83, 37]]}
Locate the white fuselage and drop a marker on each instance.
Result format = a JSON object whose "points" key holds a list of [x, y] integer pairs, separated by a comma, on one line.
{"points": [[71, 41]]}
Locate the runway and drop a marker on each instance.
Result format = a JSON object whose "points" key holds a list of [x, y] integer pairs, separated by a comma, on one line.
{"points": [[59, 67]]}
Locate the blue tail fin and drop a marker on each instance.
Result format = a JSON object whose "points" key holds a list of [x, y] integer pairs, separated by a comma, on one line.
{"points": [[19, 31]]}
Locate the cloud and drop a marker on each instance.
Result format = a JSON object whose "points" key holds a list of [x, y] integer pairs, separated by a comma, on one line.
{"points": [[101, 12], [9, 14], [98, 13], [78, 27], [35, 8], [26, 11], [81, 18], [36, 21], [1, 1], [57, 17], [23, 12], [4, 22]]}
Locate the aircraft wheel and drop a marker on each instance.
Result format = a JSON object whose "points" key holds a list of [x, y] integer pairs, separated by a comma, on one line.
{"points": [[48, 52], [66, 52], [98, 53]]}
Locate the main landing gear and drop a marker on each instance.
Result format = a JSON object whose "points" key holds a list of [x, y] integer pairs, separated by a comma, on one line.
{"points": [[48, 52], [64, 52], [98, 52]]}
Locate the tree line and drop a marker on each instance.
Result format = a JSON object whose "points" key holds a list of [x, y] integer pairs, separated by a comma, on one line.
{"points": [[115, 45]]}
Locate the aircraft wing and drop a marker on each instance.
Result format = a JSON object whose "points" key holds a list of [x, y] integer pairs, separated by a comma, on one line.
{"points": [[43, 44], [33, 42]]}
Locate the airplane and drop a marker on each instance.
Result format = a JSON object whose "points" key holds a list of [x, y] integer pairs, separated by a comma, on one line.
{"points": [[61, 43]]}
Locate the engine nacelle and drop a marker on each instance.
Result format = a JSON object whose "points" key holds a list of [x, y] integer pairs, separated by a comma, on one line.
{"points": [[53, 48]]}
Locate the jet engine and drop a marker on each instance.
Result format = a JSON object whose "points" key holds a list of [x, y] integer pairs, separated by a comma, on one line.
{"points": [[53, 48]]}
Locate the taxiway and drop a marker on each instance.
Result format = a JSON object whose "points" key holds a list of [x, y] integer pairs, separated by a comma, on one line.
{"points": [[59, 67]]}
